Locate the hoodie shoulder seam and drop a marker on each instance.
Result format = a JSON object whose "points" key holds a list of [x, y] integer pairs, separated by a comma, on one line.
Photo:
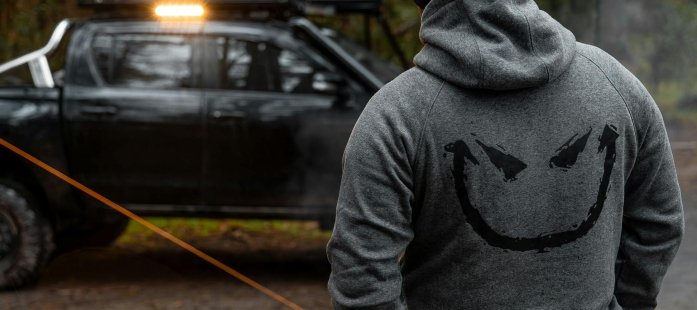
{"points": [[626, 105], [419, 139]]}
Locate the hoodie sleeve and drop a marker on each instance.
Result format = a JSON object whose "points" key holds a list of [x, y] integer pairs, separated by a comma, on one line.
{"points": [[653, 224], [374, 211], [373, 220]]}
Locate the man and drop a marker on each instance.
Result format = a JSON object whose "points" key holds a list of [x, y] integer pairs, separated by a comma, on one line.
{"points": [[512, 168]]}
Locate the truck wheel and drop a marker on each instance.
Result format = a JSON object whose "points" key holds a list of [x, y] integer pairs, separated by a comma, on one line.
{"points": [[26, 240]]}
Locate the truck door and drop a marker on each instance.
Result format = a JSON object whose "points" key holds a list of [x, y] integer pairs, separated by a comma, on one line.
{"points": [[135, 134], [273, 139]]}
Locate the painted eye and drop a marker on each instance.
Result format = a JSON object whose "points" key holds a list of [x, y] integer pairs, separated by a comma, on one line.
{"points": [[460, 147], [567, 154], [506, 163]]}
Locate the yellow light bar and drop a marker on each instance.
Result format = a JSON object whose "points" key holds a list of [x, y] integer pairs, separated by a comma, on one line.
{"points": [[179, 10]]}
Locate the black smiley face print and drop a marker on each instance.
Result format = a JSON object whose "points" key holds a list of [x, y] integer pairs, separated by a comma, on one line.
{"points": [[510, 166]]}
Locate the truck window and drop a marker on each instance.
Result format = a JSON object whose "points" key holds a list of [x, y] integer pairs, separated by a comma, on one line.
{"points": [[144, 60], [296, 72], [263, 66], [236, 58]]}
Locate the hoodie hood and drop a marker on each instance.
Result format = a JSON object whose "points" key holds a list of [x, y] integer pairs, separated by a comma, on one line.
{"points": [[497, 45]]}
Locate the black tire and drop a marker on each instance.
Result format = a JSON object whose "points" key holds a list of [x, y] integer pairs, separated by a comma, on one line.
{"points": [[26, 237]]}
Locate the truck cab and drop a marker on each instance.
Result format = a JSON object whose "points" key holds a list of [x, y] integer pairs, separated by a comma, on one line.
{"points": [[239, 118]]}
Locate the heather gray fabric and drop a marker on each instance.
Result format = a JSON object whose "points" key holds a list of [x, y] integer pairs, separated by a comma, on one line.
{"points": [[512, 168], [493, 44]]}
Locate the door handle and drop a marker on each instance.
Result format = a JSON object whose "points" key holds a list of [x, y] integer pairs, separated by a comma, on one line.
{"points": [[107, 110], [225, 114]]}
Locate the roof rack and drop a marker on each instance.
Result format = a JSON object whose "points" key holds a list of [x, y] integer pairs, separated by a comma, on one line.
{"points": [[281, 9], [310, 7]]}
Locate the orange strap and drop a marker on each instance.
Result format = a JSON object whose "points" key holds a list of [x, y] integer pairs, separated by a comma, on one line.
{"points": [[151, 226]]}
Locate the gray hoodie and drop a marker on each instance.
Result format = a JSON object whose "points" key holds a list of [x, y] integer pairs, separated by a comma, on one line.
{"points": [[512, 168]]}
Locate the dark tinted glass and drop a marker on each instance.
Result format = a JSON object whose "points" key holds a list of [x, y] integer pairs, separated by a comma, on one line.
{"points": [[144, 60], [236, 59], [296, 71], [262, 66]]}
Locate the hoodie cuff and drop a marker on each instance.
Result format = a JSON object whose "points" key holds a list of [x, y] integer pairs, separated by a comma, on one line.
{"points": [[392, 305]]}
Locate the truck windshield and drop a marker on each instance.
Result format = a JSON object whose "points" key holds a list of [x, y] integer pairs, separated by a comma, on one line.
{"points": [[384, 70]]}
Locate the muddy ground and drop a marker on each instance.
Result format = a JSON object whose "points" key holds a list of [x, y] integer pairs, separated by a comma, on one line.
{"points": [[142, 271]]}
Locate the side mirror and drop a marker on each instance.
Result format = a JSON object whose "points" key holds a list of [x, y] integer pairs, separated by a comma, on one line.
{"points": [[329, 83]]}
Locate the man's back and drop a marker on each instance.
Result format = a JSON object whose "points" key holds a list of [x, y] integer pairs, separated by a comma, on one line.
{"points": [[512, 168]]}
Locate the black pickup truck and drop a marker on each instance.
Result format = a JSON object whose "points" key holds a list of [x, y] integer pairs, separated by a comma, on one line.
{"points": [[216, 118]]}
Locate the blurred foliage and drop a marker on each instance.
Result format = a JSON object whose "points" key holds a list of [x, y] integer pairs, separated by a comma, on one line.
{"points": [[657, 40], [26, 25], [202, 228], [403, 18]]}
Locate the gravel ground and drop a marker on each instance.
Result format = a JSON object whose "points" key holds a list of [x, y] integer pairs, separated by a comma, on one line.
{"points": [[142, 271]]}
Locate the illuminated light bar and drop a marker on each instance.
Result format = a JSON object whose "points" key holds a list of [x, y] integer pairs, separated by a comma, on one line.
{"points": [[179, 10], [197, 10]]}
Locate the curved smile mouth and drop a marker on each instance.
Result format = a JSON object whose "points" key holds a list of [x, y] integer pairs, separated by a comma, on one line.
{"points": [[462, 154]]}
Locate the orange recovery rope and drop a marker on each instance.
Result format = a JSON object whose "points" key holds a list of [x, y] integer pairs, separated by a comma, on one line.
{"points": [[151, 226]]}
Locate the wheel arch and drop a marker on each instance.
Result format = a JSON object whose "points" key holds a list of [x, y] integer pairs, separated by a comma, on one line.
{"points": [[17, 169], [57, 200]]}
